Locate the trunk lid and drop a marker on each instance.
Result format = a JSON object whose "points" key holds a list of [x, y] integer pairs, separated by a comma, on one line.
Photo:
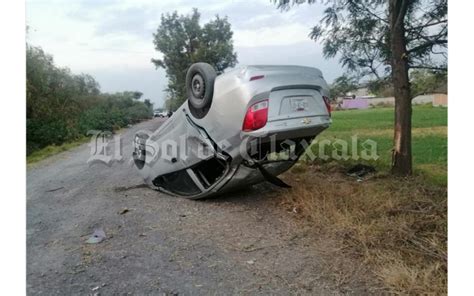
{"points": [[295, 103], [295, 91]]}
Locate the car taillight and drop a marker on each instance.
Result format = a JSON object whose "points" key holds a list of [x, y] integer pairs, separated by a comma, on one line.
{"points": [[256, 116], [328, 104]]}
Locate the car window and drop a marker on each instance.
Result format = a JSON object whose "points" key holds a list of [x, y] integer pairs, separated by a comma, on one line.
{"points": [[210, 171], [177, 182]]}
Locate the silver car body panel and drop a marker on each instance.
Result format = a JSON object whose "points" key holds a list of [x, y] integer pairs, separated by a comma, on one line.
{"points": [[220, 131]]}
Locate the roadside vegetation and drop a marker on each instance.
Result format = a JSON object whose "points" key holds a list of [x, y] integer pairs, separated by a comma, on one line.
{"points": [[396, 226], [51, 150], [62, 107], [182, 41], [429, 133]]}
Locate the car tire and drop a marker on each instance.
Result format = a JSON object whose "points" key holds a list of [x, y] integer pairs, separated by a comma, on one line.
{"points": [[200, 88]]}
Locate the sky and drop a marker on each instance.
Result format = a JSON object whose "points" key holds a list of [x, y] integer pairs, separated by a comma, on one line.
{"points": [[113, 40]]}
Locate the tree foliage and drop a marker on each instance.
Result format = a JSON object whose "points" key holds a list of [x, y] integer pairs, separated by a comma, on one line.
{"points": [[62, 106], [358, 32], [428, 81], [384, 39], [381, 88], [422, 81], [342, 85], [183, 41]]}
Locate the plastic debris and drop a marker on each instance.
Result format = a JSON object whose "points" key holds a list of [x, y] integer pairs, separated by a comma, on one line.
{"points": [[96, 237]]}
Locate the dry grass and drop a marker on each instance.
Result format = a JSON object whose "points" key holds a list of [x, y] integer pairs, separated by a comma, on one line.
{"points": [[422, 131], [396, 227]]}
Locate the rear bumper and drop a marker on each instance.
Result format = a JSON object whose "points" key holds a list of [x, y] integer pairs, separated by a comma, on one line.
{"points": [[291, 128]]}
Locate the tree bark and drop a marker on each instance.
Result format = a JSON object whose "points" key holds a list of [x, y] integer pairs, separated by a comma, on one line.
{"points": [[401, 156]]}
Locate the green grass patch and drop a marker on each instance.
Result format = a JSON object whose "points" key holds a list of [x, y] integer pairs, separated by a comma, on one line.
{"points": [[382, 118], [53, 150], [429, 139]]}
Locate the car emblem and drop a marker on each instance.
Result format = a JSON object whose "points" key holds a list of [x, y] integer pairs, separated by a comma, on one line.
{"points": [[306, 121]]}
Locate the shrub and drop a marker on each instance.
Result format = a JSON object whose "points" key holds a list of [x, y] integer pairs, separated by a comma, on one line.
{"points": [[62, 107]]}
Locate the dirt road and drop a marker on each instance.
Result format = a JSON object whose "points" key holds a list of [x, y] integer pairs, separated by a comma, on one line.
{"points": [[236, 244]]}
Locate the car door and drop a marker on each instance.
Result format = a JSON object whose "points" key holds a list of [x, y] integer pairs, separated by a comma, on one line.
{"points": [[183, 159]]}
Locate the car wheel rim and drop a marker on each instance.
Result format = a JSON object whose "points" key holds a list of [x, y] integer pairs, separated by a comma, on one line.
{"points": [[197, 86]]}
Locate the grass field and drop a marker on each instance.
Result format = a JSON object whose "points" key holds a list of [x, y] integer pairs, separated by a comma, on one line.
{"points": [[429, 142], [394, 227]]}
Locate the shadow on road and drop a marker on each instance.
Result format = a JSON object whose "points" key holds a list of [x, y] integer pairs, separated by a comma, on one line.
{"points": [[253, 194]]}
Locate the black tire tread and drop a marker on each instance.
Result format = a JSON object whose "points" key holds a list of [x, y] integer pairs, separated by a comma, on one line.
{"points": [[199, 110]]}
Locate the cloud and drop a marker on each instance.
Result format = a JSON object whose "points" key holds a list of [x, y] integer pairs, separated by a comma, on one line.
{"points": [[277, 35], [261, 23], [147, 80], [305, 53], [132, 21], [112, 40]]}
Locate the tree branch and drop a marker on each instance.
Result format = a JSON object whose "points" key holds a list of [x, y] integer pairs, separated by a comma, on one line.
{"points": [[429, 67], [427, 44], [427, 25], [364, 8], [417, 34], [371, 63]]}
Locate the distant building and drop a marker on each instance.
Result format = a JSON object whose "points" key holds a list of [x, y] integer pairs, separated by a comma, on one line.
{"points": [[437, 99], [359, 93], [356, 99], [361, 98]]}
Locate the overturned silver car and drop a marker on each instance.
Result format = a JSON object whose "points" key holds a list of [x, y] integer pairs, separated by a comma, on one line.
{"points": [[236, 129]]}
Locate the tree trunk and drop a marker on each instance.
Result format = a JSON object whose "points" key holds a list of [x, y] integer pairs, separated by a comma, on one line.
{"points": [[401, 157]]}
